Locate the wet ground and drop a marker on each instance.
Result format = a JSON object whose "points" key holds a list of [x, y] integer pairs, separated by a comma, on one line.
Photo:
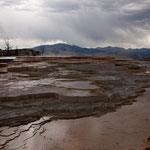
{"points": [[126, 129], [71, 88]]}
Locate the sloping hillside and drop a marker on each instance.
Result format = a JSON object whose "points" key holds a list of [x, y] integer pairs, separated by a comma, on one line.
{"points": [[73, 50]]}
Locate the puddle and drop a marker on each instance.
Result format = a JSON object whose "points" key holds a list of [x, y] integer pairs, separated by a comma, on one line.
{"points": [[77, 84], [126, 129], [73, 88], [30, 83], [148, 72], [3, 80], [104, 78], [46, 86], [4, 58], [79, 93]]}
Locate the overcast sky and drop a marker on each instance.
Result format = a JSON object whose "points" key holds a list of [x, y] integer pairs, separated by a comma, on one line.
{"points": [[87, 23]]}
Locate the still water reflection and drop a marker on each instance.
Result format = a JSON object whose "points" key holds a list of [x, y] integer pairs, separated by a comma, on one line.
{"points": [[126, 129]]}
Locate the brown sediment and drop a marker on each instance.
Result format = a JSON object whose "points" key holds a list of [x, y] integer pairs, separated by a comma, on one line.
{"points": [[125, 129], [33, 87]]}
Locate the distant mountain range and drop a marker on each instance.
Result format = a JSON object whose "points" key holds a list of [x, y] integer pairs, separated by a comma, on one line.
{"points": [[73, 50]]}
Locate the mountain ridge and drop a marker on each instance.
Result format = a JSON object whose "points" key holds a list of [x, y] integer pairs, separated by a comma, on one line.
{"points": [[62, 49]]}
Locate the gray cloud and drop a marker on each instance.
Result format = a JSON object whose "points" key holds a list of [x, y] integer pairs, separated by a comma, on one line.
{"points": [[12, 3], [61, 5], [141, 16], [83, 22]]}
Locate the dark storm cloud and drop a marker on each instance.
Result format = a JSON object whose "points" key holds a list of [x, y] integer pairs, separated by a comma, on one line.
{"points": [[82, 22], [142, 16]]}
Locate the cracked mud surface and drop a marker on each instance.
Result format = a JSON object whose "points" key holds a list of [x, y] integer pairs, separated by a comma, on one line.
{"points": [[65, 88]]}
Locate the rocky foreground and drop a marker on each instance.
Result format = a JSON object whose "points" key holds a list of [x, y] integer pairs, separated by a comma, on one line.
{"points": [[33, 87]]}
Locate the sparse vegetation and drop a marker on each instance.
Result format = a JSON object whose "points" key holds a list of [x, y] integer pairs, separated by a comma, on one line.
{"points": [[7, 46]]}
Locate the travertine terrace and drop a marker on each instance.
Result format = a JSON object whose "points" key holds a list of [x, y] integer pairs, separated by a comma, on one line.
{"points": [[33, 87], [64, 88]]}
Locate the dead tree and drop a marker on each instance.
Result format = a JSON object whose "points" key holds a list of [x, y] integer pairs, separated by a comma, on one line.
{"points": [[7, 46]]}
